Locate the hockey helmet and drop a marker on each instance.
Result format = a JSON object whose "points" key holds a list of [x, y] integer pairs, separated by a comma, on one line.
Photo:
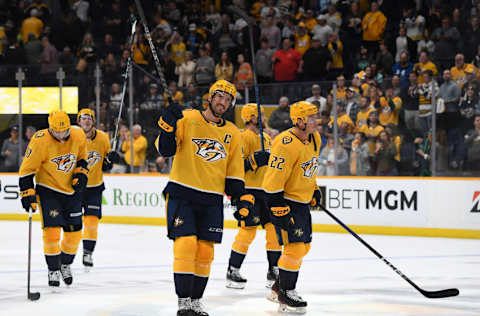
{"points": [[302, 110], [86, 111], [58, 121], [248, 110], [223, 86]]}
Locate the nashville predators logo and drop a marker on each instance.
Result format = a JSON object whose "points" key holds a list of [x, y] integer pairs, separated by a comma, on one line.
{"points": [[256, 219], [178, 221], [209, 149], [92, 158], [298, 232], [310, 167], [65, 163], [53, 213]]}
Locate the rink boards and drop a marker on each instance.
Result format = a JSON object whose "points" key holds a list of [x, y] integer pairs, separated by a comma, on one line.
{"points": [[436, 207]]}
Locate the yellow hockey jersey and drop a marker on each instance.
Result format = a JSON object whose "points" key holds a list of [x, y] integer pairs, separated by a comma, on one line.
{"points": [[51, 161], [97, 149], [293, 166], [207, 155], [251, 143]]}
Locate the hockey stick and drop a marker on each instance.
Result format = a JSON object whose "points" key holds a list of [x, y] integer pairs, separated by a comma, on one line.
{"points": [[429, 294], [32, 296], [244, 15], [163, 82], [124, 88]]}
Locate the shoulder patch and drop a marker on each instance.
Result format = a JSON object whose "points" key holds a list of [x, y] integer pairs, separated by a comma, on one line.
{"points": [[39, 134], [287, 140]]}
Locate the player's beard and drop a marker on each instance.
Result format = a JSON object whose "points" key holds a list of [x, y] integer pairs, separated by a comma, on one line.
{"points": [[216, 114]]}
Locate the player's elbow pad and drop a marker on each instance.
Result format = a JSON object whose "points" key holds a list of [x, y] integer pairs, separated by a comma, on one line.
{"points": [[167, 144]]}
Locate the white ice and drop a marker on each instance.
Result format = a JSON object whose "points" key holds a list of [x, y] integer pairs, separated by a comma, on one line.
{"points": [[133, 276]]}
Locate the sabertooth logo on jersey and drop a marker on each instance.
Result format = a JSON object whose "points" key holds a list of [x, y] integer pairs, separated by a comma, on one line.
{"points": [[65, 163], [476, 202], [310, 167], [209, 149], [92, 158]]}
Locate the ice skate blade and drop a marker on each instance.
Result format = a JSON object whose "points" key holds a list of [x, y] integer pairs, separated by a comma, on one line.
{"points": [[235, 285], [283, 308], [272, 297], [55, 289], [87, 269]]}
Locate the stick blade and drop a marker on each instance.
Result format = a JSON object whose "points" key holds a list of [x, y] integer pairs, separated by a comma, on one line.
{"points": [[441, 293], [33, 296]]}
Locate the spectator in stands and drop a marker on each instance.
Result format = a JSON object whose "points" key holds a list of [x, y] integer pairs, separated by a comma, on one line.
{"points": [[114, 21], [461, 68], [111, 72], [316, 61], [224, 68], [10, 151], [342, 117], [115, 97], [363, 113], [445, 38], [280, 117], [351, 104], [176, 94], [471, 81], [185, 70], [205, 68], [321, 31], [153, 101], [384, 156], [263, 62], [162, 165], [288, 29], [33, 50], [471, 38], [469, 107], [29, 132], [49, 61], [193, 39], [472, 142], [351, 35], [425, 93], [243, 75], [88, 49], [316, 96], [302, 39], [426, 44], [107, 47], [373, 26], [390, 107], [360, 156], [192, 100], [410, 101], [287, 63], [404, 43], [123, 136], [335, 47], [414, 23], [397, 89], [423, 64], [31, 25], [334, 19], [384, 60], [371, 130], [362, 59], [271, 32], [403, 68], [139, 149], [327, 160], [176, 48], [476, 58]]}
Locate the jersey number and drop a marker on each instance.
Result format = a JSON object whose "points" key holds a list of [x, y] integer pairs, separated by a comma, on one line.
{"points": [[277, 162]]}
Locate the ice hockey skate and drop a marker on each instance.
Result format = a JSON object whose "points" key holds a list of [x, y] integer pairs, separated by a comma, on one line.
{"points": [[87, 260], [235, 279], [272, 276], [197, 308], [54, 278], [184, 307], [291, 302], [66, 274]]}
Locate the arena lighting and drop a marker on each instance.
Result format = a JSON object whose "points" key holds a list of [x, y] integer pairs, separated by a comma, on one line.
{"points": [[38, 100]]}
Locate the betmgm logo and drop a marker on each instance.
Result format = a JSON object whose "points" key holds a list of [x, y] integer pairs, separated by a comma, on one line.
{"points": [[475, 202], [209, 149]]}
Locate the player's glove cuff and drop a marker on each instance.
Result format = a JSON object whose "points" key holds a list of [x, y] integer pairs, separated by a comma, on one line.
{"points": [[245, 206], [28, 199], [316, 198]]}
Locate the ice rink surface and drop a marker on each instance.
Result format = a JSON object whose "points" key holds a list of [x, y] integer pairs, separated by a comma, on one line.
{"points": [[133, 276]]}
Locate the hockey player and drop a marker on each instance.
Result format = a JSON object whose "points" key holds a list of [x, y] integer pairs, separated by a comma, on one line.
{"points": [[57, 158], [99, 159], [290, 185], [208, 163], [255, 161]]}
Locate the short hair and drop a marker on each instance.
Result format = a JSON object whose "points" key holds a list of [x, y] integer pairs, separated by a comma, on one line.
{"points": [[137, 126]]}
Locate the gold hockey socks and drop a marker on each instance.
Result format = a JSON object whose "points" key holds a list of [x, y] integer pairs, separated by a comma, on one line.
{"points": [[244, 238], [184, 252], [70, 243], [51, 247], [90, 232]]}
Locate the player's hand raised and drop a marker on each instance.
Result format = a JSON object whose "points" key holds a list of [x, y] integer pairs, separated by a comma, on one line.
{"points": [[171, 114]]}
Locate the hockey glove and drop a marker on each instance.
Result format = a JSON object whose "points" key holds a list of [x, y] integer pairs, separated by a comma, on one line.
{"points": [[111, 158], [29, 200], [171, 114], [316, 198], [79, 179], [258, 159], [244, 208], [281, 216]]}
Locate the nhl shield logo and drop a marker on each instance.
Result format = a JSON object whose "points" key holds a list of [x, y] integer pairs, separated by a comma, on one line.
{"points": [[92, 158], [65, 163], [209, 149], [310, 167]]}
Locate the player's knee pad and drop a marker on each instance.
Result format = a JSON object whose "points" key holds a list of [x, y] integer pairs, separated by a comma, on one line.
{"points": [[70, 242], [90, 227], [271, 237], [51, 240], [204, 257], [244, 238], [184, 252], [291, 258]]}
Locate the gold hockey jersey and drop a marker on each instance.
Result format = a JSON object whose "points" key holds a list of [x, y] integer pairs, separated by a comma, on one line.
{"points": [[51, 161], [251, 143], [293, 166], [207, 155], [97, 149]]}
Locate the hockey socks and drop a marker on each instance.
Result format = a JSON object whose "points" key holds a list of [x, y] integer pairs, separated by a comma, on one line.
{"points": [[272, 257], [236, 259], [288, 279]]}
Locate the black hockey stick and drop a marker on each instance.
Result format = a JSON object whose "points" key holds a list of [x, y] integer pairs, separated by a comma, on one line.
{"points": [[163, 82], [244, 15], [125, 78], [429, 294], [33, 296]]}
